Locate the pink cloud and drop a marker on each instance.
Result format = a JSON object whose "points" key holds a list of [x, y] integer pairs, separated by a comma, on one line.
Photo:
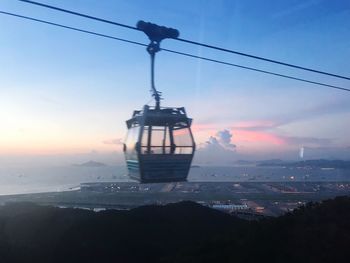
{"points": [[199, 127], [242, 136], [255, 125], [258, 133]]}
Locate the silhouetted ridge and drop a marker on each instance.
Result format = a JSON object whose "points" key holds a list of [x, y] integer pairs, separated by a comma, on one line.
{"points": [[317, 232], [179, 232]]}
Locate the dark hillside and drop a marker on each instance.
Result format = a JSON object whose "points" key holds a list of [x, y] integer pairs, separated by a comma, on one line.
{"points": [[181, 232], [313, 233]]}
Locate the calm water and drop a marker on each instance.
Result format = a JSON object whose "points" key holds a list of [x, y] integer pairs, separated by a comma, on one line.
{"points": [[47, 179]]}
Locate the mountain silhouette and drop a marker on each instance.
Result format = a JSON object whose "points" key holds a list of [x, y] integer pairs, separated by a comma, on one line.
{"points": [[179, 232]]}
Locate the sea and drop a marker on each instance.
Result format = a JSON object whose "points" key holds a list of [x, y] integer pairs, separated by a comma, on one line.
{"points": [[22, 180]]}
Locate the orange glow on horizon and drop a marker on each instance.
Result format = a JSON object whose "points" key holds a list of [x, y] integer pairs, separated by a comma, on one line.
{"points": [[52, 147], [61, 142]]}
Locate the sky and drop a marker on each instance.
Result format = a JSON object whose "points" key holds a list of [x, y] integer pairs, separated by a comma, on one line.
{"points": [[64, 93]]}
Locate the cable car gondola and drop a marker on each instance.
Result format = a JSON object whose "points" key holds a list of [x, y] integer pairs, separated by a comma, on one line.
{"points": [[159, 146]]}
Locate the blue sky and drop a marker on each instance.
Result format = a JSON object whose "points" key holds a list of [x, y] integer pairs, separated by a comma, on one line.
{"points": [[64, 92]]}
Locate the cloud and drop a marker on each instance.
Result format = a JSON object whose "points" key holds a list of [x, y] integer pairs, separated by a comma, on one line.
{"points": [[117, 141], [270, 137], [253, 136], [221, 140], [278, 120], [218, 149], [259, 125], [224, 138], [257, 132], [334, 107]]}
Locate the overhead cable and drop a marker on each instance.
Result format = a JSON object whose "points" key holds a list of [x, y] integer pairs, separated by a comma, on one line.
{"points": [[172, 51], [191, 41]]}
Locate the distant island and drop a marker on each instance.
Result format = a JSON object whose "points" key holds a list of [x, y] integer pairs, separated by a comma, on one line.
{"points": [[321, 163], [245, 162], [90, 164]]}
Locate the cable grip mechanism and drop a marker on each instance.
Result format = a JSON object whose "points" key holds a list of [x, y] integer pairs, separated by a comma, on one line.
{"points": [[156, 34]]}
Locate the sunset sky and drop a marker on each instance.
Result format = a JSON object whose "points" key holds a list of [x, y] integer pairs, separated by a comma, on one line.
{"points": [[65, 93]]}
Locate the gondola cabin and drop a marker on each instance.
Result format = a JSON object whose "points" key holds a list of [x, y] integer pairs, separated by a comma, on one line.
{"points": [[159, 146]]}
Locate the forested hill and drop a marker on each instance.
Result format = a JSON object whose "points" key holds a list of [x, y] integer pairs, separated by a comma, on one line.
{"points": [[181, 232]]}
